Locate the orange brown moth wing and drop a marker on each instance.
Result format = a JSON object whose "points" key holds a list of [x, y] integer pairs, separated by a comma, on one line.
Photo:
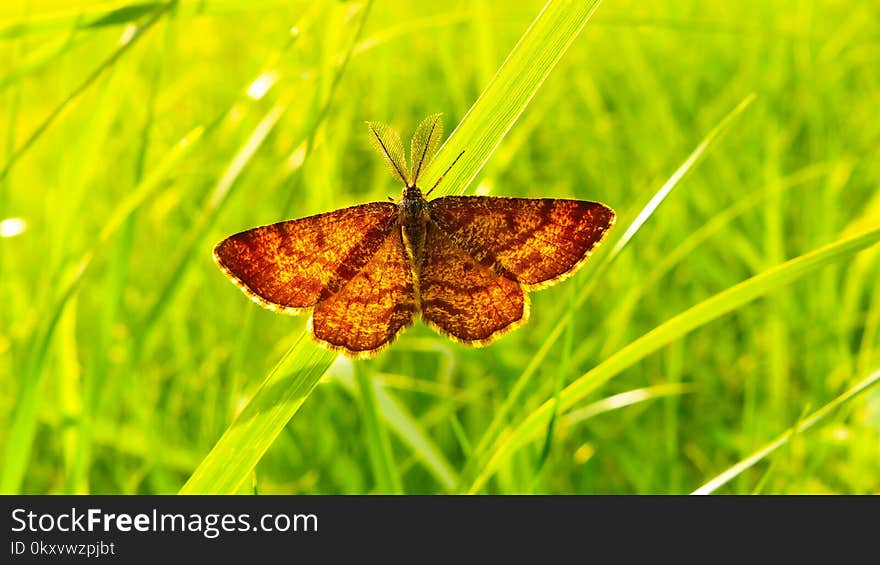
{"points": [[535, 241], [293, 265], [368, 312], [463, 299]]}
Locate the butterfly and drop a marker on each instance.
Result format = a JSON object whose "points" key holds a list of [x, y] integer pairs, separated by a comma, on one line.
{"points": [[466, 263]]}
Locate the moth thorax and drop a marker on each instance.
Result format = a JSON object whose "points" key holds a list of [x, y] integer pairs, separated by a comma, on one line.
{"points": [[412, 192], [413, 206]]}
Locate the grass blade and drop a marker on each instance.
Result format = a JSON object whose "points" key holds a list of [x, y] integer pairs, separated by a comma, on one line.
{"points": [[689, 320], [83, 18], [648, 210], [406, 427], [508, 93], [108, 14], [376, 436], [17, 453], [82, 87], [234, 456], [409, 431], [624, 399], [803, 425]]}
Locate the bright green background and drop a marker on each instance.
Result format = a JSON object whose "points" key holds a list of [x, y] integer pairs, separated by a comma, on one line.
{"points": [[125, 354]]}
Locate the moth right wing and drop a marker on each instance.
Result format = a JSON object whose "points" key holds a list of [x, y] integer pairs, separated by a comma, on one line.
{"points": [[293, 265], [463, 299]]}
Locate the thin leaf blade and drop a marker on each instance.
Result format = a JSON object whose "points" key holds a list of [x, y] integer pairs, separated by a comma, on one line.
{"points": [[508, 93]]}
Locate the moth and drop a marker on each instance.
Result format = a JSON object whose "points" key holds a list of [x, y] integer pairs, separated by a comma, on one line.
{"points": [[465, 263]]}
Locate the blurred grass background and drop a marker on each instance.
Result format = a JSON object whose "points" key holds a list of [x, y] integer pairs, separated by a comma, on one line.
{"points": [[125, 353]]}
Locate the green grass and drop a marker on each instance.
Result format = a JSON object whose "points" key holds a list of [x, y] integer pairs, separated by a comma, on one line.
{"points": [[725, 339]]}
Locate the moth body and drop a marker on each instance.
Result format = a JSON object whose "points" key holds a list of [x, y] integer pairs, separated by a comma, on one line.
{"points": [[413, 218]]}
